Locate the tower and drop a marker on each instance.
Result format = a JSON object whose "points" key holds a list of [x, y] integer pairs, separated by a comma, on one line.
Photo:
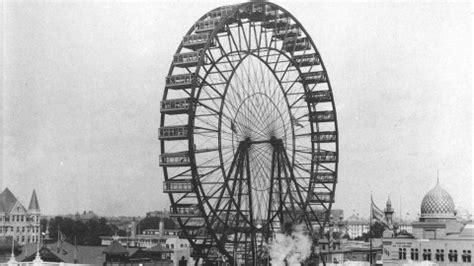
{"points": [[389, 213]]}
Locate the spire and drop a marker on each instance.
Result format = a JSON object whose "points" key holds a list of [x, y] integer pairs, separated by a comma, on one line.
{"points": [[437, 179], [7, 200], [34, 202], [389, 202]]}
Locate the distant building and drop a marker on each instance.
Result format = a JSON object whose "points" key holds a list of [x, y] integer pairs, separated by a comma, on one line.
{"points": [[63, 252], [148, 237], [355, 226], [167, 240], [437, 236], [180, 248], [17, 221], [84, 216], [337, 215], [343, 250], [160, 214], [405, 227]]}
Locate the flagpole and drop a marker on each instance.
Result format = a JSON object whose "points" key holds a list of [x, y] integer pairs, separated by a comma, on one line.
{"points": [[13, 242], [12, 257], [370, 230]]}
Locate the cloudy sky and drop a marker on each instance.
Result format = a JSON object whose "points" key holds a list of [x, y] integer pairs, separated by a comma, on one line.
{"points": [[82, 82]]}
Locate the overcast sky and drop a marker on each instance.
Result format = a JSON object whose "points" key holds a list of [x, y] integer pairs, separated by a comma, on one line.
{"points": [[82, 83]]}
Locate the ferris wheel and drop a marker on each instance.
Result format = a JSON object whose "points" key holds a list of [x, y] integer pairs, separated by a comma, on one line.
{"points": [[248, 132]]}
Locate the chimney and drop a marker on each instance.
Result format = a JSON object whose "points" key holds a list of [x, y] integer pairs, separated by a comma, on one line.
{"points": [[162, 228]]}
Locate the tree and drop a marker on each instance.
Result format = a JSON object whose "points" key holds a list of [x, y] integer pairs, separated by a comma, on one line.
{"points": [[80, 232], [154, 223], [376, 232]]}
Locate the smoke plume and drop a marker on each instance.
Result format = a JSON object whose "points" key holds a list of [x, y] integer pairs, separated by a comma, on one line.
{"points": [[293, 248]]}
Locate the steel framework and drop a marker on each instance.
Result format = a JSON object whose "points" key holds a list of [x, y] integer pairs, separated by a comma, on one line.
{"points": [[248, 132]]}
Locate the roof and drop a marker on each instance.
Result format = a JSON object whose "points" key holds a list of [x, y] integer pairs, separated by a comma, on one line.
{"points": [[159, 249], [7, 200], [115, 248], [67, 252], [468, 230], [6, 243], [34, 202], [437, 203]]}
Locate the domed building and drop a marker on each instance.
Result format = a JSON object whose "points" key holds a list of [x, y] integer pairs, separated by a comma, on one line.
{"points": [[437, 236], [437, 205]]}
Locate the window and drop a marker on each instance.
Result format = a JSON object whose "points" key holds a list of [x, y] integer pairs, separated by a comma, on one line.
{"points": [[402, 253], [414, 254], [466, 256], [439, 255], [453, 255], [426, 254]]}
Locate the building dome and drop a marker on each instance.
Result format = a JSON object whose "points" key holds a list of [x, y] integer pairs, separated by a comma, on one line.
{"points": [[437, 203]]}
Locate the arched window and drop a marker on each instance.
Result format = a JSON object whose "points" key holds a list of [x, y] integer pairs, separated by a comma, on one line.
{"points": [[466, 256]]}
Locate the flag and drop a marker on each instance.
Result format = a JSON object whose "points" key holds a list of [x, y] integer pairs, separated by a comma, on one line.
{"points": [[376, 213]]}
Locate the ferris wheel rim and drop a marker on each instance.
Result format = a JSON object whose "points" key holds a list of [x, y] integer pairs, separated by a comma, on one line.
{"points": [[200, 65]]}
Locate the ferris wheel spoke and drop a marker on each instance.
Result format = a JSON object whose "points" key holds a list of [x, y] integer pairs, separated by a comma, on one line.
{"points": [[231, 37], [249, 117]]}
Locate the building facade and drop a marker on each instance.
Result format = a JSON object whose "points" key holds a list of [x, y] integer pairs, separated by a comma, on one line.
{"points": [[437, 237], [17, 221], [356, 227]]}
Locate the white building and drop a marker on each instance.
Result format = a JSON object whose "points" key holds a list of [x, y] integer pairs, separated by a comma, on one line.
{"points": [[17, 221], [356, 227], [437, 237]]}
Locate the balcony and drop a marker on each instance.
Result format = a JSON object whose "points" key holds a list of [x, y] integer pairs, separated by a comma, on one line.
{"points": [[178, 186], [322, 116], [181, 81], [319, 96], [187, 59], [321, 197], [176, 106], [196, 41], [324, 177], [173, 133], [278, 21], [205, 252], [313, 77], [194, 222], [198, 233], [221, 12], [328, 136], [185, 210], [306, 60], [206, 25], [322, 156], [296, 44], [285, 32], [175, 159]]}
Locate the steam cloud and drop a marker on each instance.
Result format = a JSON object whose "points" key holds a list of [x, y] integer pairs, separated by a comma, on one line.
{"points": [[295, 248]]}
